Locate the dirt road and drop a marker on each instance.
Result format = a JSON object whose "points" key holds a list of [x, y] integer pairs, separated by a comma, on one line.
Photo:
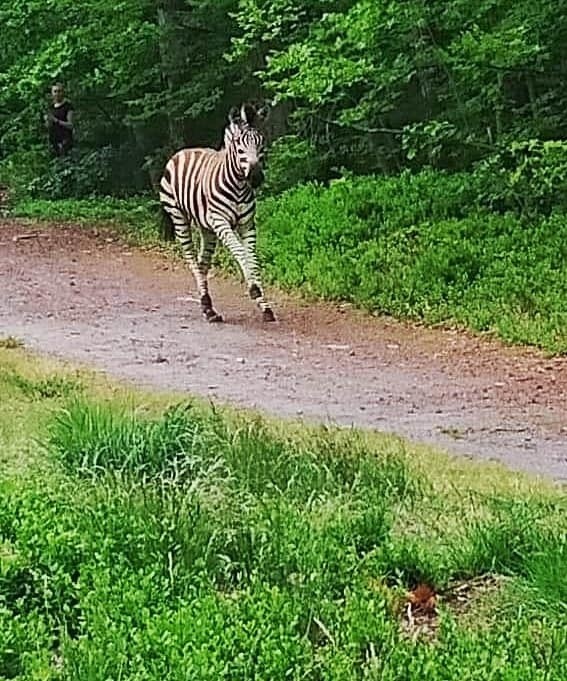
{"points": [[85, 296]]}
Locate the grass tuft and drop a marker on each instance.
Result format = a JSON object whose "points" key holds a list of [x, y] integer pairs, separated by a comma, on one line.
{"points": [[43, 388], [11, 343]]}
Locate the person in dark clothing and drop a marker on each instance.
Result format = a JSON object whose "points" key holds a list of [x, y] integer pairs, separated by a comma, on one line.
{"points": [[59, 121]]}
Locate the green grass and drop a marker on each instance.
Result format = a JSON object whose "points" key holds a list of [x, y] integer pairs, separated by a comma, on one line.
{"points": [[414, 246], [43, 388], [136, 217], [145, 538]]}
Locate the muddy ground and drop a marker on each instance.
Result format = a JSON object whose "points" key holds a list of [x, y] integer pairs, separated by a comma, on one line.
{"points": [[83, 295]]}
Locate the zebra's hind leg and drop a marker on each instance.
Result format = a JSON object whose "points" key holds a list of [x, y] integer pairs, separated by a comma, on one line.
{"points": [[183, 233], [256, 294], [206, 251]]}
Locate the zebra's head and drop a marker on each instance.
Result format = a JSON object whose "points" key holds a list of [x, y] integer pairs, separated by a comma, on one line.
{"points": [[246, 141]]}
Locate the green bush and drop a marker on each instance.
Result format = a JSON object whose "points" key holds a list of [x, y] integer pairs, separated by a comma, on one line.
{"points": [[529, 177], [21, 169], [420, 246], [107, 170], [292, 161], [270, 557]]}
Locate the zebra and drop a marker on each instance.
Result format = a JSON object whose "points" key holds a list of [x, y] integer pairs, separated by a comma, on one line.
{"points": [[214, 191]]}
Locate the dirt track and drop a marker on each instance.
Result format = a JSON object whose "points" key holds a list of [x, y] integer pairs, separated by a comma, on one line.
{"points": [[84, 296]]}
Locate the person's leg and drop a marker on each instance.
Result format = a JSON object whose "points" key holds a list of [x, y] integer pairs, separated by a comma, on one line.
{"points": [[54, 144], [66, 146]]}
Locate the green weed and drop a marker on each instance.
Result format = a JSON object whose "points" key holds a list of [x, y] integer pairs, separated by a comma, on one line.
{"points": [[42, 388], [11, 343]]}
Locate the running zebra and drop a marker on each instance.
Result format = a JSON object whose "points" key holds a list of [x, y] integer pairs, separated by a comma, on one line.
{"points": [[214, 192]]}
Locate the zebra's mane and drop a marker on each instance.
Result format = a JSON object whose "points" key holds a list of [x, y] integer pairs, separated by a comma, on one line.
{"points": [[248, 117]]}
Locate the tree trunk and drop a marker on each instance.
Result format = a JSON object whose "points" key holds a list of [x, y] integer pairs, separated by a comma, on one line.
{"points": [[172, 62]]}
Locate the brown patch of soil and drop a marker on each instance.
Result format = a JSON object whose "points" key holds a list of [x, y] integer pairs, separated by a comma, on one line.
{"points": [[473, 598], [84, 295]]}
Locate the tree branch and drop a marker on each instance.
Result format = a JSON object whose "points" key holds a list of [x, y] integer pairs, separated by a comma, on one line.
{"points": [[361, 128]]}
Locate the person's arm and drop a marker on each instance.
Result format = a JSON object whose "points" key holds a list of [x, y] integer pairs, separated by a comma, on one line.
{"points": [[68, 123]]}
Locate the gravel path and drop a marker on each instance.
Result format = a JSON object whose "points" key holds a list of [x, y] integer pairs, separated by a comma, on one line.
{"points": [[83, 295]]}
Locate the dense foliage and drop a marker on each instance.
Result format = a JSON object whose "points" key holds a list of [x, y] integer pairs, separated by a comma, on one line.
{"points": [[445, 82], [367, 85], [143, 77], [423, 246]]}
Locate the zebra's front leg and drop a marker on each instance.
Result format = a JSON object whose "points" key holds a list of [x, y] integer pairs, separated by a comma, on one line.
{"points": [[248, 234], [200, 269], [228, 237]]}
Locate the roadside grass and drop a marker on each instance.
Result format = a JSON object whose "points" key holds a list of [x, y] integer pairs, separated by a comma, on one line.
{"points": [[135, 218], [10, 343], [146, 537]]}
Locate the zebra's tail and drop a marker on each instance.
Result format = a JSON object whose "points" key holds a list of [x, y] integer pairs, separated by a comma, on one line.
{"points": [[166, 227], [166, 197]]}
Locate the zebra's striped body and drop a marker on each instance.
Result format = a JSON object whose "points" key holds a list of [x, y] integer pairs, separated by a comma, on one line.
{"points": [[213, 191]]}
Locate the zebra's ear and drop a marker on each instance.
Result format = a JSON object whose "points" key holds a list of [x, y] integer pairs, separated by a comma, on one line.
{"points": [[234, 115], [248, 113]]}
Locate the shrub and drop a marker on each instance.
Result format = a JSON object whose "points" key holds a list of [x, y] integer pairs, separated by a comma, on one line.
{"points": [[291, 161], [528, 177], [272, 557], [34, 174], [420, 246]]}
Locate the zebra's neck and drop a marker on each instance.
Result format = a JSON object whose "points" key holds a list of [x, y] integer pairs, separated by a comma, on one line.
{"points": [[233, 178]]}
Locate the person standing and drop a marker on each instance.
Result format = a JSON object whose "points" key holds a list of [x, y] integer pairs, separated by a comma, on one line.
{"points": [[59, 121]]}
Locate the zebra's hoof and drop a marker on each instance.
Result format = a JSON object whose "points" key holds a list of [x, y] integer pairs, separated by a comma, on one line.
{"points": [[268, 315], [213, 317]]}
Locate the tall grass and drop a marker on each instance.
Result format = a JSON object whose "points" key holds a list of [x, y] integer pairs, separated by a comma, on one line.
{"points": [[90, 437], [185, 545]]}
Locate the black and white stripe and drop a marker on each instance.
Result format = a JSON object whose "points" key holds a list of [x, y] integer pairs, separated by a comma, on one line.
{"points": [[213, 191]]}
